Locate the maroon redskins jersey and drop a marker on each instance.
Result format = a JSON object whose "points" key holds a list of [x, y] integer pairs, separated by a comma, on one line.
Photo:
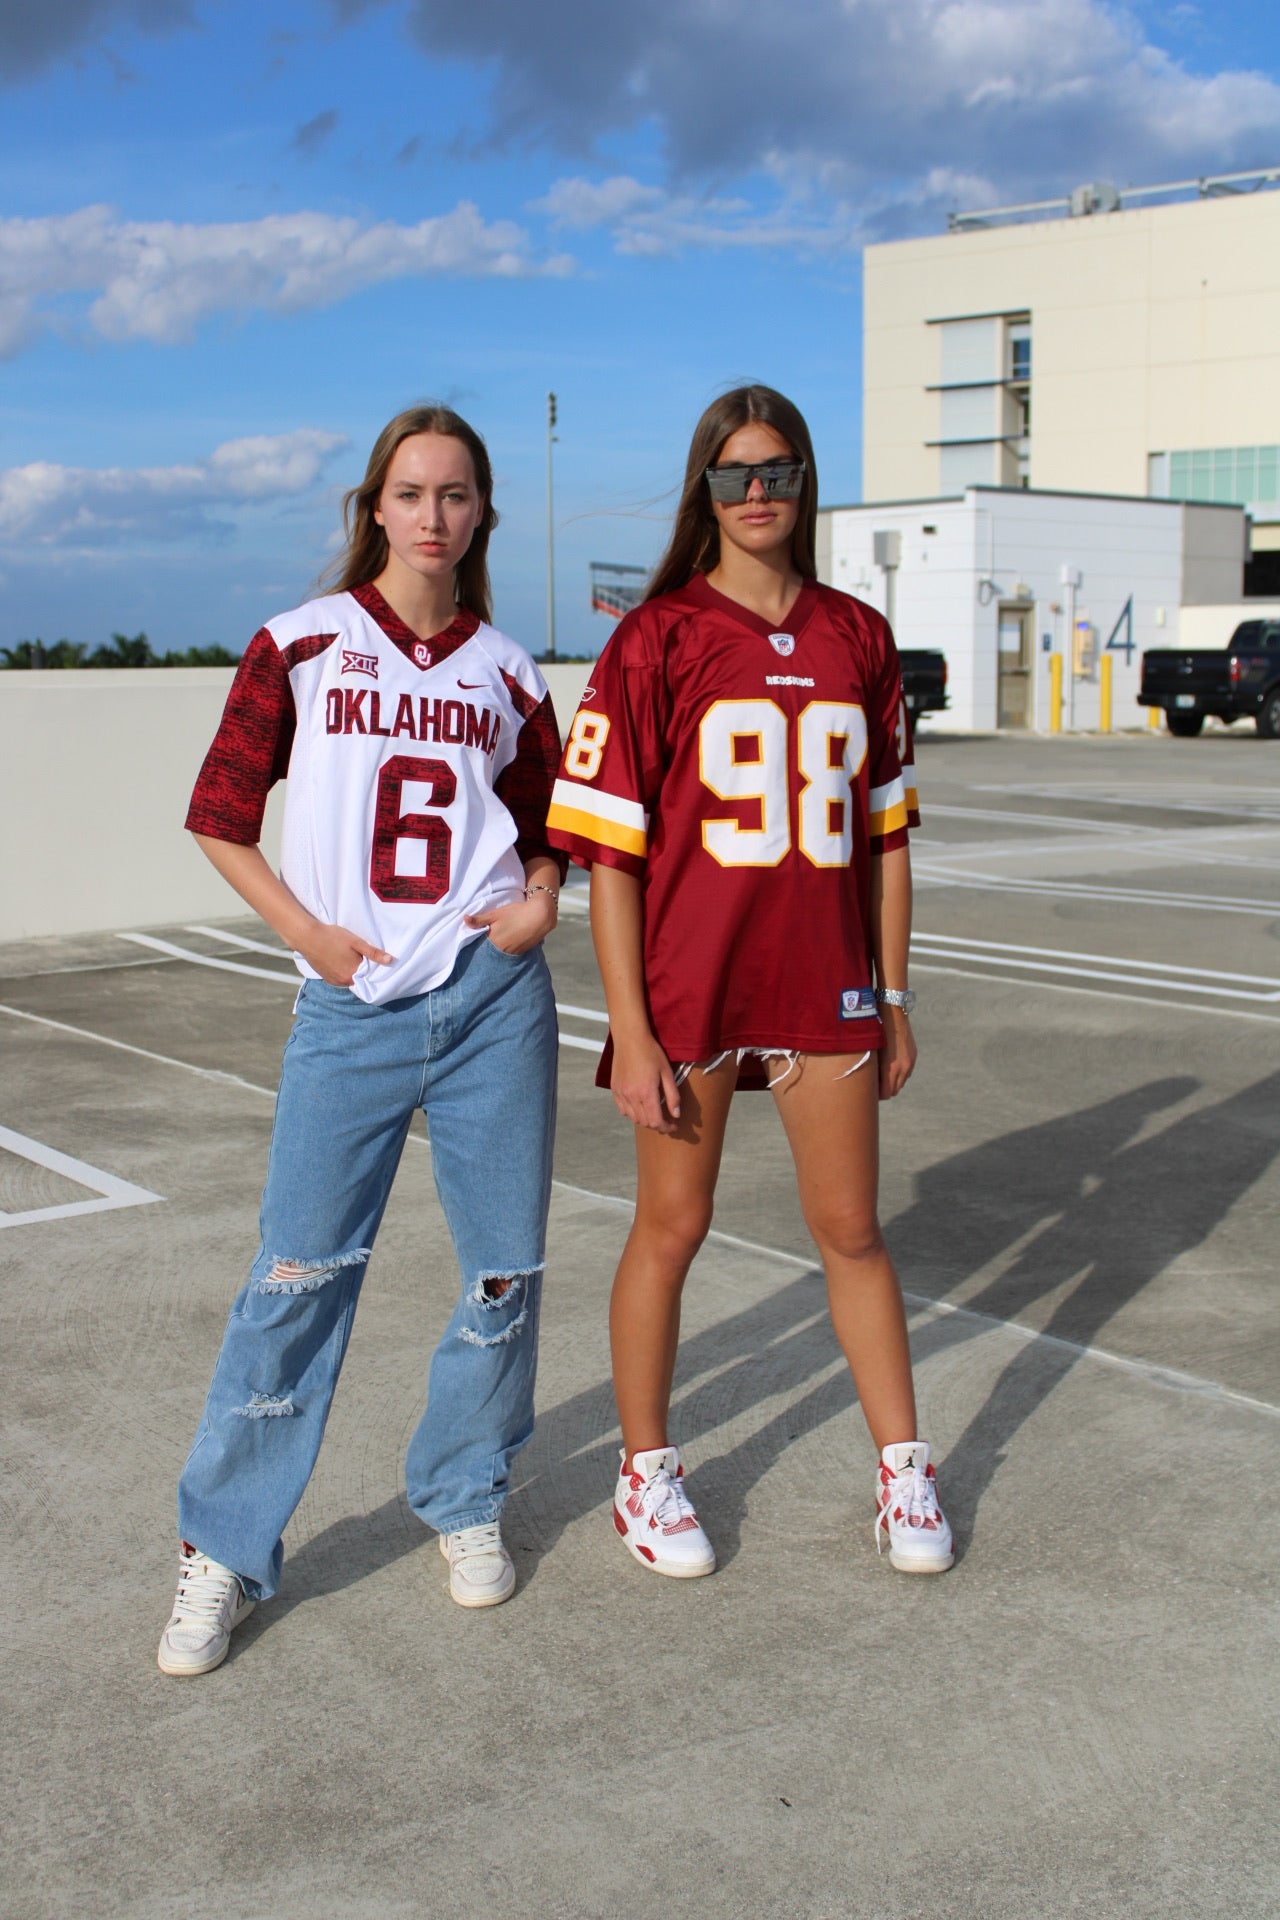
{"points": [[746, 776]]}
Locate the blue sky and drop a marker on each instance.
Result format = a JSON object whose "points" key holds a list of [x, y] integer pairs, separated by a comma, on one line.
{"points": [[235, 238]]}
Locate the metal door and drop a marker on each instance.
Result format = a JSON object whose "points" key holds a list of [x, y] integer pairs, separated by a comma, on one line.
{"points": [[1014, 656]]}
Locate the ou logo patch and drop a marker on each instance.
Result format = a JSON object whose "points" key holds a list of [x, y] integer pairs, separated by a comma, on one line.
{"points": [[783, 643], [422, 654]]}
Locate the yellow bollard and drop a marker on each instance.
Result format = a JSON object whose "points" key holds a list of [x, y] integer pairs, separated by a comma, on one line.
{"points": [[1055, 693], [1104, 697], [1154, 717]]}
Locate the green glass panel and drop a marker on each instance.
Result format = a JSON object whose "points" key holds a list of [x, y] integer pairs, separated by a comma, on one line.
{"points": [[1268, 473], [1246, 474]]}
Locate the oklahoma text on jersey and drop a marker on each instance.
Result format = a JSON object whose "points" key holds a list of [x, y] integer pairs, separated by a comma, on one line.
{"points": [[408, 803]]}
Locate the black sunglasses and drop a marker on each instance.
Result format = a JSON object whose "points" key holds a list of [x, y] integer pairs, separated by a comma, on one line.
{"points": [[781, 480]]}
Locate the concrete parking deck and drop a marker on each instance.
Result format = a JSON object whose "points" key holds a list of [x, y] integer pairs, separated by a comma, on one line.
{"points": [[1081, 1190]]}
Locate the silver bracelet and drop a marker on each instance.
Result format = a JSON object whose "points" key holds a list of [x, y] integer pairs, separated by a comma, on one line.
{"points": [[538, 887], [903, 997]]}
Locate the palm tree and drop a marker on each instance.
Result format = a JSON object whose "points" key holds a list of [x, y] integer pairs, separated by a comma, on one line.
{"points": [[35, 656], [123, 652]]}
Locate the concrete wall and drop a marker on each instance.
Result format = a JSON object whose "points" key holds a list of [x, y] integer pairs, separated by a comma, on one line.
{"points": [[1151, 329], [1208, 627], [962, 558], [96, 768], [1213, 555]]}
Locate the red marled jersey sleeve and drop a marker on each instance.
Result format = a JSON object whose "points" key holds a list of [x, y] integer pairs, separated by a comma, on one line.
{"points": [[250, 750], [524, 785]]}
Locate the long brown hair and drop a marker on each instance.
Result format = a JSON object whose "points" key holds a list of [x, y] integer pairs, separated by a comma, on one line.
{"points": [[365, 553], [694, 546]]}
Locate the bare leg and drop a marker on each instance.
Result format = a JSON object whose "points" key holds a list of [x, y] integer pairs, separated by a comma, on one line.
{"points": [[833, 1129], [676, 1182]]}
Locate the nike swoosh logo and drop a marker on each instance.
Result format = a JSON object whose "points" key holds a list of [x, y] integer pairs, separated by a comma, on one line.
{"points": [[473, 686]]}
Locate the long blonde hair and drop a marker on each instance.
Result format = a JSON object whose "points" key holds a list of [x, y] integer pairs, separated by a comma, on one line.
{"points": [[694, 546], [365, 554]]}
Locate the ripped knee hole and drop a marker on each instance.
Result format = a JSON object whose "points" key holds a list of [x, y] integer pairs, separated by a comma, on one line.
{"points": [[308, 1276]]}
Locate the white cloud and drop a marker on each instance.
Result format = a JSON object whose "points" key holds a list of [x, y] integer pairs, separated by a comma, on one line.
{"points": [[648, 221], [860, 98], [581, 203], [158, 280], [43, 505]]}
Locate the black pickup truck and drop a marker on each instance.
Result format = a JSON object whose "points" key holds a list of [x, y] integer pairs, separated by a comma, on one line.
{"points": [[924, 680], [1239, 681]]}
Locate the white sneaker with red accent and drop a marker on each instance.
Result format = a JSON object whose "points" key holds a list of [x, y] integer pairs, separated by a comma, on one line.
{"points": [[655, 1518], [907, 1510], [210, 1605]]}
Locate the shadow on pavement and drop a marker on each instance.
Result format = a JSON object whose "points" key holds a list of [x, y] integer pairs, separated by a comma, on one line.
{"points": [[1101, 1211]]}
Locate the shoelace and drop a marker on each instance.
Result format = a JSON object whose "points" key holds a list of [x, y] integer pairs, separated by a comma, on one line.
{"points": [[913, 1492], [666, 1501], [479, 1543], [202, 1594]]}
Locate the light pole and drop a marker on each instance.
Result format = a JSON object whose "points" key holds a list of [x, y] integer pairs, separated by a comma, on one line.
{"points": [[1072, 579], [550, 653]]}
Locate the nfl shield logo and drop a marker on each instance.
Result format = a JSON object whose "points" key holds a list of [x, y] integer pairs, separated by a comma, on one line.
{"points": [[783, 643]]}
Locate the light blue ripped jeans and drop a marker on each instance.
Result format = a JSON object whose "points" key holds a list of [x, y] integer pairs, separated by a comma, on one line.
{"points": [[478, 1055]]}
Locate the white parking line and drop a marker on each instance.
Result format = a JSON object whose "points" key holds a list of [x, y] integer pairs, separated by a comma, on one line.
{"points": [[1138, 972], [238, 940], [937, 875], [1112, 828], [112, 1192], [1253, 802], [143, 1053], [292, 980], [1151, 1372], [1061, 986], [207, 960]]}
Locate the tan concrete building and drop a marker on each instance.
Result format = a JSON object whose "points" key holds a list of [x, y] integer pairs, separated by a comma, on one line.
{"points": [[1099, 345]]}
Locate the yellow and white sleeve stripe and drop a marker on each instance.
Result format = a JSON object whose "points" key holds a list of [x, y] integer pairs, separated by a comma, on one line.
{"points": [[600, 817], [910, 795], [888, 807]]}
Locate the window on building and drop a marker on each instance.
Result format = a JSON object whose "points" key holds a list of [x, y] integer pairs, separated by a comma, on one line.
{"points": [[1231, 476]]}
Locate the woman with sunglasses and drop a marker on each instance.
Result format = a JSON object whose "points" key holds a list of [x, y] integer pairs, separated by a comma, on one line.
{"points": [[734, 778]]}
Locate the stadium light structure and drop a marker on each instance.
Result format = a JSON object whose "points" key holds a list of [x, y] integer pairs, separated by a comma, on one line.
{"points": [[550, 652]]}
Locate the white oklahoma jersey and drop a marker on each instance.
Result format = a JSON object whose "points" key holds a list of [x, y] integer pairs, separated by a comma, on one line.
{"points": [[418, 775]]}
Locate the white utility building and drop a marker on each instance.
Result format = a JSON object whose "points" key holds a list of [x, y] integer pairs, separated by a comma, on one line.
{"points": [[1001, 579], [1071, 431]]}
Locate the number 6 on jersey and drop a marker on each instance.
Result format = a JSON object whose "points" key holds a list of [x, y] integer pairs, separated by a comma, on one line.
{"points": [[743, 755]]}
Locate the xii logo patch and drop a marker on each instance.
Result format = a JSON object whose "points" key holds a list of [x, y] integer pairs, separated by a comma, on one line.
{"points": [[360, 663]]}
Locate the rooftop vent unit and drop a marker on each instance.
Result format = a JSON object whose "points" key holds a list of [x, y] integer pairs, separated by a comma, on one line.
{"points": [[1098, 197]]}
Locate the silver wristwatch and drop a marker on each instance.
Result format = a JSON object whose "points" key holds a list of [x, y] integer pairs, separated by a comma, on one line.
{"points": [[903, 997]]}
